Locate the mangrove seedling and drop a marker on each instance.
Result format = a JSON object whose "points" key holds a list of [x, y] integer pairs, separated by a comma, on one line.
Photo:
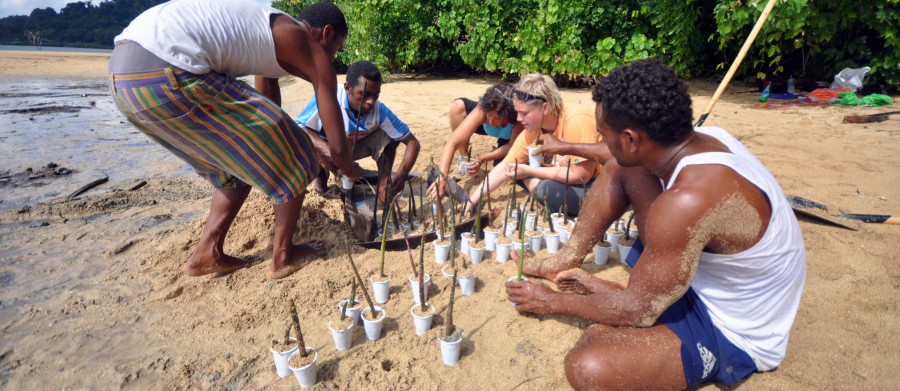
{"points": [[628, 227], [546, 213], [351, 300], [487, 193], [359, 279], [412, 261], [422, 277], [564, 208], [384, 226], [477, 227], [301, 345], [448, 328], [521, 259]]}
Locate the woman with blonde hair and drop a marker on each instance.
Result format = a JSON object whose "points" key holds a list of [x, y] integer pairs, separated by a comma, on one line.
{"points": [[540, 110]]}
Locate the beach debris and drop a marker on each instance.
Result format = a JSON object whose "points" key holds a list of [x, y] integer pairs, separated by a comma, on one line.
{"points": [[138, 186], [87, 187]]}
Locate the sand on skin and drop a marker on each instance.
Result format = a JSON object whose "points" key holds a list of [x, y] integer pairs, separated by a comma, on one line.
{"points": [[138, 322]]}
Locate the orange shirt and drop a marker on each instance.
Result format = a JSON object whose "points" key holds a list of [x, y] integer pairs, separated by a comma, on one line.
{"points": [[576, 125]]}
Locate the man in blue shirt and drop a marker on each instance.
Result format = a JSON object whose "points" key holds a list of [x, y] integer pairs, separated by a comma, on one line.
{"points": [[375, 128]]}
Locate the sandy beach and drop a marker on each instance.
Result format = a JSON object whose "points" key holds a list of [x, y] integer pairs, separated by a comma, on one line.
{"points": [[93, 296]]}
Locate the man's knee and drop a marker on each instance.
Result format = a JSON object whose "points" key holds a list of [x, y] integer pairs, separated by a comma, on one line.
{"points": [[590, 367]]}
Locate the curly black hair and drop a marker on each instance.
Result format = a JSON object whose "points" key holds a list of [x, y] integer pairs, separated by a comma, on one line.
{"points": [[497, 98], [365, 69], [649, 96], [324, 13]]}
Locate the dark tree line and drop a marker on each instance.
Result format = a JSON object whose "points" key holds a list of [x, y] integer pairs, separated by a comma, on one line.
{"points": [[81, 23]]}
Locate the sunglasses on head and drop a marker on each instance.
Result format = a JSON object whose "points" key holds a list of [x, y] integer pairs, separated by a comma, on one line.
{"points": [[524, 96]]}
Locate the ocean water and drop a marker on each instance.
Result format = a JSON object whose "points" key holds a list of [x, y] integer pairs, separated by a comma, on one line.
{"points": [[25, 48], [73, 124]]}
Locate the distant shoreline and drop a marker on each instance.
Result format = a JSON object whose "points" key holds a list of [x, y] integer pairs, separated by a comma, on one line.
{"points": [[52, 49]]}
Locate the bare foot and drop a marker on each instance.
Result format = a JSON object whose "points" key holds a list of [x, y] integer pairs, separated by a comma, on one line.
{"points": [[547, 267], [302, 255], [224, 264]]}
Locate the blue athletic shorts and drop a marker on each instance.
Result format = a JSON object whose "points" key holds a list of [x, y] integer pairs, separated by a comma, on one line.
{"points": [[707, 356]]}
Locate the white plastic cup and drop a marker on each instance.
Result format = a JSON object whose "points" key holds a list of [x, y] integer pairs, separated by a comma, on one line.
{"points": [[501, 255], [535, 242], [613, 239], [464, 242], [352, 311], [373, 327], [346, 183], [447, 271], [623, 252], [343, 339], [281, 360], [601, 254], [552, 240], [382, 289], [490, 240], [516, 278], [467, 284], [306, 375], [450, 350], [556, 219], [533, 160], [441, 252], [422, 323], [476, 254], [633, 233], [414, 284], [510, 228]]}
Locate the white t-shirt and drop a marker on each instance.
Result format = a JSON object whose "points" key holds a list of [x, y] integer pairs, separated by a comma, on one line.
{"points": [[232, 37], [753, 296]]}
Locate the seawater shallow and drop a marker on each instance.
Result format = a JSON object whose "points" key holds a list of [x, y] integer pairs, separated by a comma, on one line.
{"points": [[74, 124]]}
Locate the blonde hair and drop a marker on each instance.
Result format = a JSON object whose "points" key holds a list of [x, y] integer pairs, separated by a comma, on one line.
{"points": [[543, 86]]}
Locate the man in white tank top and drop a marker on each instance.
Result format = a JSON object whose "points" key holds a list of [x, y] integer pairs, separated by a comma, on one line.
{"points": [[172, 75], [718, 271]]}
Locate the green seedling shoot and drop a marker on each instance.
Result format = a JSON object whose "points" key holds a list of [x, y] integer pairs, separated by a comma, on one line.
{"points": [[546, 215], [422, 277], [521, 260], [301, 345], [448, 328], [564, 208], [477, 227]]}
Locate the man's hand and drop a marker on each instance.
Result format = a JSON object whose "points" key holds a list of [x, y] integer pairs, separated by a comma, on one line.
{"points": [[437, 190], [552, 145], [583, 283], [326, 162], [533, 297], [354, 172], [397, 183]]}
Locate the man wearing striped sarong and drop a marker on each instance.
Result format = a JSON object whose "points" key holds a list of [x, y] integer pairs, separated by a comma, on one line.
{"points": [[173, 74]]}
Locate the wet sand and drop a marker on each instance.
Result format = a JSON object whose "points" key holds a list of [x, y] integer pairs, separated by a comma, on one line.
{"points": [[92, 294]]}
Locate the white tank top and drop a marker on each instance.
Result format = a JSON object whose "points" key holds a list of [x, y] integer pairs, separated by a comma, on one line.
{"points": [[753, 295], [201, 36]]}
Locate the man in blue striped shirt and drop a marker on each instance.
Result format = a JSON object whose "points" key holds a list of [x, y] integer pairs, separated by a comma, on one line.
{"points": [[376, 130]]}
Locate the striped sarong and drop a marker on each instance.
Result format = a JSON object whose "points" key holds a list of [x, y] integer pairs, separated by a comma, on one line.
{"points": [[232, 135]]}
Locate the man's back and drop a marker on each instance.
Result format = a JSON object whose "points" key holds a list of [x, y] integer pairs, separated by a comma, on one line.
{"points": [[233, 37], [752, 294]]}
